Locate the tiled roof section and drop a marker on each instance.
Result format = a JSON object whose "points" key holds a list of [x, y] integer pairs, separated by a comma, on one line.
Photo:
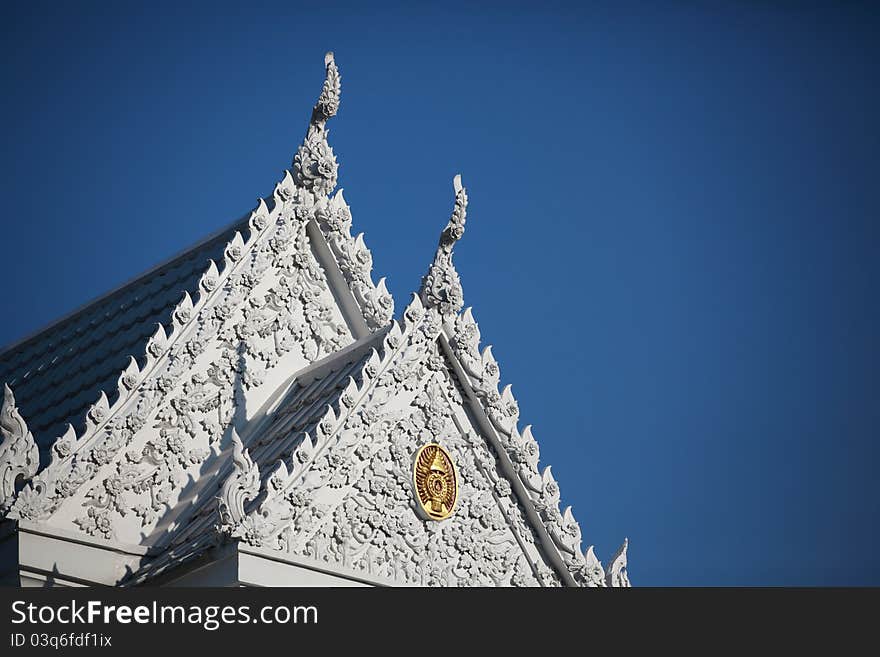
{"points": [[60, 372]]}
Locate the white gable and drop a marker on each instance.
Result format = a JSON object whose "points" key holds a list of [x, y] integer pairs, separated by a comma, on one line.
{"points": [[345, 498], [285, 390]]}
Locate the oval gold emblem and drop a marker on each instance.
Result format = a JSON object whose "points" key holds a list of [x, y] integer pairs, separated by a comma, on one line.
{"points": [[435, 482]]}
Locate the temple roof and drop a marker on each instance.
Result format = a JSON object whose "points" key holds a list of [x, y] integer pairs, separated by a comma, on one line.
{"points": [[252, 384], [60, 371], [76, 363]]}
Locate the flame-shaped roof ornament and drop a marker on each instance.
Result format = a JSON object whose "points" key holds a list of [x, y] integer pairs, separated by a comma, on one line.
{"points": [[441, 286], [314, 166], [615, 573], [328, 101], [19, 454]]}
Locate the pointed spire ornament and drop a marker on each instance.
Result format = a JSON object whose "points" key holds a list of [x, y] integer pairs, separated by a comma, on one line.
{"points": [[328, 101], [615, 572], [441, 286], [314, 165], [19, 454]]}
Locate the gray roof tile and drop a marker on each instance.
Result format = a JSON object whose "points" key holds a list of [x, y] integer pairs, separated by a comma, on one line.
{"points": [[60, 372]]}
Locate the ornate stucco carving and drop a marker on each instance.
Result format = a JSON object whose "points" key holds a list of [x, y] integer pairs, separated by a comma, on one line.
{"points": [[242, 485], [355, 261], [314, 166], [338, 488], [441, 286], [594, 575], [19, 454], [484, 375], [616, 572], [249, 333], [270, 300], [232, 307], [275, 522], [344, 496], [315, 170]]}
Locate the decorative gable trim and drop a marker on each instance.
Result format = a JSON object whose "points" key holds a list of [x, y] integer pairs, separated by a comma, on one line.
{"points": [[481, 375], [301, 196], [354, 261], [335, 450], [260, 498], [19, 454]]}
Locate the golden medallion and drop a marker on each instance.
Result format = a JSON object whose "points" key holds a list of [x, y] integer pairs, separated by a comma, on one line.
{"points": [[435, 481]]}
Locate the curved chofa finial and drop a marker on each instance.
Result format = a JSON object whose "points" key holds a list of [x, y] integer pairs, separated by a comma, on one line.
{"points": [[19, 454], [441, 286], [615, 573], [314, 166]]}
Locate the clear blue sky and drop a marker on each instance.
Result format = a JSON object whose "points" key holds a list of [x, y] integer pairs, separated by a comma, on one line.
{"points": [[672, 238]]}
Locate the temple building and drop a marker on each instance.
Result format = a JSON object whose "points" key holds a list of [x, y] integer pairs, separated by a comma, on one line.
{"points": [[250, 413]]}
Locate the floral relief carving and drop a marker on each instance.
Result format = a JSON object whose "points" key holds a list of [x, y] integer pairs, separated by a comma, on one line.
{"points": [[19, 454], [314, 164], [441, 286], [96, 523], [353, 504], [253, 329], [355, 261], [257, 329], [377, 529], [340, 490], [296, 313]]}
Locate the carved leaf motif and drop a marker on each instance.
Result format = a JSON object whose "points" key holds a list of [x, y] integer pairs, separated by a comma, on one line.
{"points": [[243, 484], [302, 319], [19, 454], [616, 574], [441, 286], [374, 525], [355, 261]]}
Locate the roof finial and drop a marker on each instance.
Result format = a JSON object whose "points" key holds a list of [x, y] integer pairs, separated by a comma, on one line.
{"points": [[615, 572], [441, 286], [328, 101], [455, 228], [19, 454], [314, 166]]}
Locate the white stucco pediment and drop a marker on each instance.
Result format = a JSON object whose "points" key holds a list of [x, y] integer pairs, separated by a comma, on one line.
{"points": [[278, 419], [296, 288], [344, 493], [353, 503]]}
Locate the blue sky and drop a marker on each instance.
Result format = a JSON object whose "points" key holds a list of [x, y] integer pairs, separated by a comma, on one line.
{"points": [[672, 239]]}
